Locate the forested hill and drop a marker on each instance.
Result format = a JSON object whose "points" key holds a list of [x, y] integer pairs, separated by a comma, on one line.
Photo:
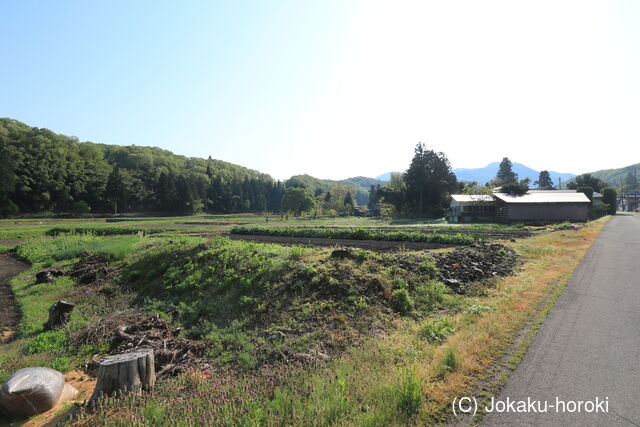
{"points": [[41, 171], [616, 177], [358, 186]]}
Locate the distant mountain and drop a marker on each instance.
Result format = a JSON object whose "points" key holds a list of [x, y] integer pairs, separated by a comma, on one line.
{"points": [[359, 192], [363, 181], [487, 173], [614, 176], [385, 176]]}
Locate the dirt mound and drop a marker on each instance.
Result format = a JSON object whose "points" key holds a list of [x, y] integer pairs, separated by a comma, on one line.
{"points": [[91, 269], [474, 264], [130, 330]]}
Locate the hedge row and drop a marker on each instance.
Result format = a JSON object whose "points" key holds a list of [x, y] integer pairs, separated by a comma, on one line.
{"points": [[102, 231], [359, 234]]}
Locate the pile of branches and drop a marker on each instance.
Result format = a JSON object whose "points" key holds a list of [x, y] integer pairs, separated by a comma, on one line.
{"points": [[128, 331], [91, 269]]}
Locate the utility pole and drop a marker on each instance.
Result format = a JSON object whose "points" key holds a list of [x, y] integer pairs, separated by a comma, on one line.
{"points": [[559, 183]]}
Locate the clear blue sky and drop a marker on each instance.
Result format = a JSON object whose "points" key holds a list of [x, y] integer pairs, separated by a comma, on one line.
{"points": [[333, 88]]}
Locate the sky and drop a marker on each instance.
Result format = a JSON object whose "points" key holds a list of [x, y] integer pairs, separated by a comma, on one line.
{"points": [[333, 88]]}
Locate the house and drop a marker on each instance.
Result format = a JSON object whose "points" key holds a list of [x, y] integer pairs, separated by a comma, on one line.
{"points": [[472, 208], [629, 201], [538, 206], [542, 206]]}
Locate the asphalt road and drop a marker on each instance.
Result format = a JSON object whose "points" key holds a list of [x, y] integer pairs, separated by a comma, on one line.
{"points": [[589, 345]]}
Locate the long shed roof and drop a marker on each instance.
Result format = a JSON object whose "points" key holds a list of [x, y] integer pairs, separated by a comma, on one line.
{"points": [[544, 197], [461, 198]]}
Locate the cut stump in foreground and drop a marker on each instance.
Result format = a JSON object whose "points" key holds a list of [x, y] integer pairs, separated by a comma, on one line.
{"points": [[59, 314], [125, 372]]}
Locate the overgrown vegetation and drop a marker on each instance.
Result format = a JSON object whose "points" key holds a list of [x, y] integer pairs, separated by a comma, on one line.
{"points": [[261, 303]]}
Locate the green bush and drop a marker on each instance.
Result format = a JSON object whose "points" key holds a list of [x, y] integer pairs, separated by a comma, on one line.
{"points": [[62, 364], [430, 294], [429, 268], [80, 208], [402, 301], [609, 195]]}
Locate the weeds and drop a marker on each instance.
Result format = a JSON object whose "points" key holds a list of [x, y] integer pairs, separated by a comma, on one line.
{"points": [[435, 331], [49, 342], [410, 396], [448, 364], [479, 309]]}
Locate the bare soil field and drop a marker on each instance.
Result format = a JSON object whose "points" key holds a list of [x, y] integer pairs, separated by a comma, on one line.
{"points": [[372, 245]]}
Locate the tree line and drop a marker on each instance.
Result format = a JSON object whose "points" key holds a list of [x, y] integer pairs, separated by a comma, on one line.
{"points": [[41, 171]]}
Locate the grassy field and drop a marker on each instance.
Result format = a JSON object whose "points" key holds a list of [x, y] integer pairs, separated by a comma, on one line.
{"points": [[291, 335]]}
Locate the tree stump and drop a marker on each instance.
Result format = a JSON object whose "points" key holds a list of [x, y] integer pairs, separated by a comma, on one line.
{"points": [[126, 371], [59, 314]]}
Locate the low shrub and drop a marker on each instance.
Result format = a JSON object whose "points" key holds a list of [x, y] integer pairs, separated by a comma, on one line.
{"points": [[449, 363], [402, 300], [435, 331], [50, 342], [62, 364]]}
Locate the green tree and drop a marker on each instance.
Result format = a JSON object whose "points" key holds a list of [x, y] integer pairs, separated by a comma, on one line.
{"points": [[80, 208], [7, 175], [118, 189], [586, 180], [516, 188], [428, 181], [297, 200], [505, 174], [609, 198], [348, 203], [472, 187], [544, 180], [588, 191]]}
